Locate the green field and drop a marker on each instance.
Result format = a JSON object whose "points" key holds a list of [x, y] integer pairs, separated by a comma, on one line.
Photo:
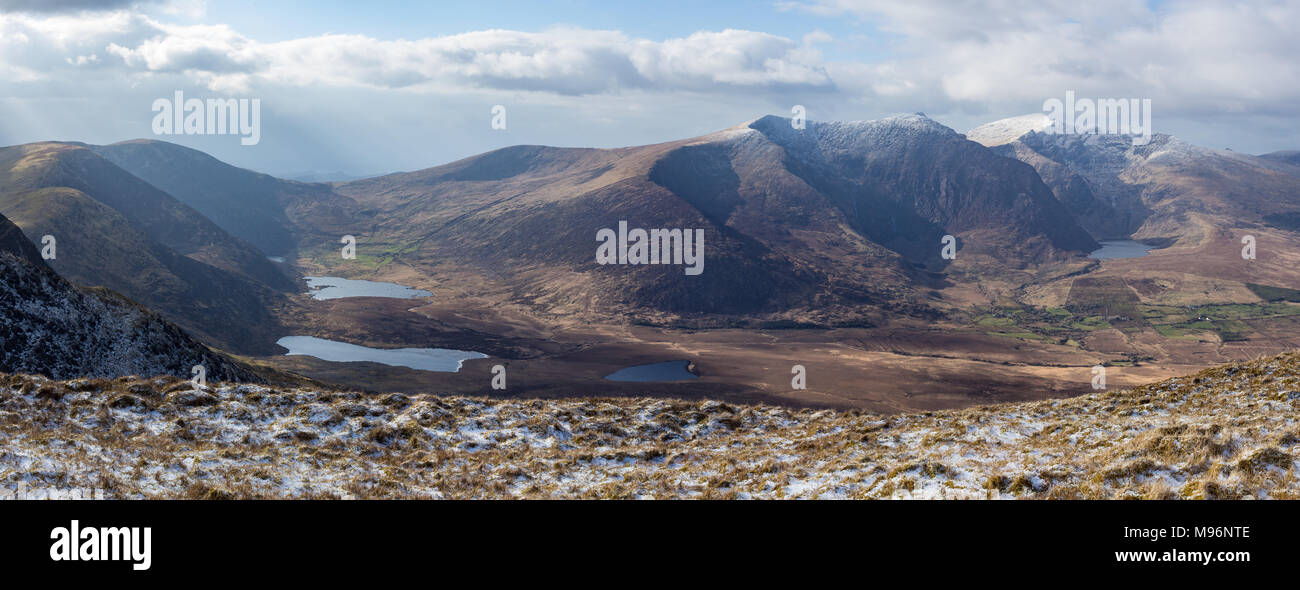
{"points": [[1228, 322], [1274, 293]]}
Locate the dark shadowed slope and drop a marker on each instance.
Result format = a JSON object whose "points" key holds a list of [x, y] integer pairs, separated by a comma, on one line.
{"points": [[16, 244], [906, 181], [52, 328], [117, 231], [1291, 157], [249, 205]]}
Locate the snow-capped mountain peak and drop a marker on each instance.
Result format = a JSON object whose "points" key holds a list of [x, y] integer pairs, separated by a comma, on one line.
{"points": [[1007, 130]]}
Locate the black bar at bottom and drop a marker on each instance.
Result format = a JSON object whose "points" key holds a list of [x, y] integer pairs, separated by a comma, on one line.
{"points": [[300, 541]]}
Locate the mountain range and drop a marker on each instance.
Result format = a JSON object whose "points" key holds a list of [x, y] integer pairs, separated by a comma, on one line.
{"points": [[825, 221], [1155, 191], [833, 221], [835, 225]]}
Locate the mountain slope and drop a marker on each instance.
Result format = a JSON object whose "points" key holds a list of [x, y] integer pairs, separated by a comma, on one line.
{"points": [[13, 242], [1228, 432], [249, 205], [117, 231], [906, 181], [825, 222], [1291, 157], [52, 328], [153, 212], [1163, 191], [525, 219]]}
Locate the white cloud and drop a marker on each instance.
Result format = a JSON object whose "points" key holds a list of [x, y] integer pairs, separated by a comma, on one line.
{"points": [[82, 60], [1188, 56], [201, 49], [1195, 56], [566, 61], [1209, 65]]}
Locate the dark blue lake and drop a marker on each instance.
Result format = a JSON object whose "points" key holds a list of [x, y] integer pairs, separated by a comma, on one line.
{"points": [[665, 371]]}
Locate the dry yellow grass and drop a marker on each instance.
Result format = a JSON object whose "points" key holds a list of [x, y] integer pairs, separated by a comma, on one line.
{"points": [[1228, 432]]}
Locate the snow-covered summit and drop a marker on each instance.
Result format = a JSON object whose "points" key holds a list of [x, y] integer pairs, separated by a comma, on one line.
{"points": [[772, 125], [854, 136], [1007, 130]]}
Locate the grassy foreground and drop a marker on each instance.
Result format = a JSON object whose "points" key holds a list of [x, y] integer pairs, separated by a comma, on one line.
{"points": [[1227, 432]]}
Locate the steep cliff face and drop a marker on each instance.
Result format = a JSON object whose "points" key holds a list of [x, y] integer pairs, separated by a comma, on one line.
{"points": [[53, 328], [1155, 191], [905, 181]]}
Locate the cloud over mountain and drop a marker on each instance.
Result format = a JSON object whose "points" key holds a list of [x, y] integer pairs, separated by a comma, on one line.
{"points": [[1191, 56], [1217, 73], [566, 60]]}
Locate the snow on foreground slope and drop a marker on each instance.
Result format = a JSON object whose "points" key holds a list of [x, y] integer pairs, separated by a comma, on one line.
{"points": [[1229, 432], [53, 327]]}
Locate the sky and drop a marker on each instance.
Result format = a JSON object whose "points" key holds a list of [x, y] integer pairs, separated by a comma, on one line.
{"points": [[380, 86]]}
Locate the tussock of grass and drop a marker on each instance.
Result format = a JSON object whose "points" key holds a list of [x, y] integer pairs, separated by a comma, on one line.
{"points": [[1229, 432]]}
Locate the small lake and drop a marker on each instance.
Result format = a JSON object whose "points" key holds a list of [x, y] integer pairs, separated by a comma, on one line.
{"points": [[339, 288], [444, 360], [1120, 249], [665, 371]]}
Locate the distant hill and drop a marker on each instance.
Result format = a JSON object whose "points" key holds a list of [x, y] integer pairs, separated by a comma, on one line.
{"points": [[1291, 157], [1163, 191], [273, 214], [335, 176], [118, 231], [246, 204]]}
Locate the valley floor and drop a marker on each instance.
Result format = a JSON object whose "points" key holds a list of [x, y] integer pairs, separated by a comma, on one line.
{"points": [[1228, 432]]}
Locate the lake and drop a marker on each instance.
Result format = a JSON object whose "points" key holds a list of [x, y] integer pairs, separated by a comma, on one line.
{"points": [[1120, 249], [444, 360], [339, 288], [665, 371]]}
